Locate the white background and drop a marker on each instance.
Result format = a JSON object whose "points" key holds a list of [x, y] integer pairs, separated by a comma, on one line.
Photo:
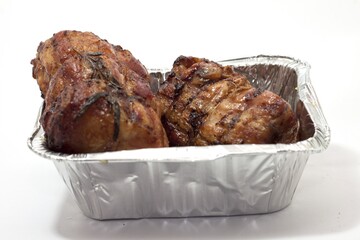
{"points": [[34, 201]]}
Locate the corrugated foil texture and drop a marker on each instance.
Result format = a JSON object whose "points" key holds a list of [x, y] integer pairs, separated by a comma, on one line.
{"points": [[218, 180]]}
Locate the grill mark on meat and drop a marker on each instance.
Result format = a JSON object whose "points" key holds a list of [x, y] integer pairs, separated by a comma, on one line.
{"points": [[200, 107], [178, 88], [194, 90], [227, 121], [196, 120], [266, 123], [177, 137], [184, 97], [246, 102]]}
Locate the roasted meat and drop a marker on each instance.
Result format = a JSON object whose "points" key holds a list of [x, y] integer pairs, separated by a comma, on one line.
{"points": [[97, 96], [204, 103]]}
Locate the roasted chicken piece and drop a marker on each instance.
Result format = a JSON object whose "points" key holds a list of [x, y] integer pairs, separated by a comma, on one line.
{"points": [[97, 96], [204, 103]]}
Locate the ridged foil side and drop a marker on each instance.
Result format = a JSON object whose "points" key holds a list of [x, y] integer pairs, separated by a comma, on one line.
{"points": [[201, 181], [230, 185]]}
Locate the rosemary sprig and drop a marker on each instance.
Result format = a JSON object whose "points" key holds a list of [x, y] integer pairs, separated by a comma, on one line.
{"points": [[116, 110], [91, 100], [94, 54], [99, 71], [114, 104]]}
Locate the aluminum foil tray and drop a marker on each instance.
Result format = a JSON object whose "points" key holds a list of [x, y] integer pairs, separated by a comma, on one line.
{"points": [[217, 180]]}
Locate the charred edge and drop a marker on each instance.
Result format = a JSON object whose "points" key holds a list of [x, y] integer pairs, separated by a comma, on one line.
{"points": [[233, 121], [40, 47], [190, 100], [54, 42], [180, 60], [257, 92], [252, 94], [179, 86], [176, 87], [228, 125], [43, 109], [117, 47], [171, 75], [275, 136], [91, 100], [116, 109], [196, 120]]}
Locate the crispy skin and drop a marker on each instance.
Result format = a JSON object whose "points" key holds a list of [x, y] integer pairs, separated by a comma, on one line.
{"points": [[97, 96], [204, 103]]}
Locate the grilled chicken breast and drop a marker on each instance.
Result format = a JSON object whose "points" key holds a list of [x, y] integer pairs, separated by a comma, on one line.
{"points": [[204, 103]]}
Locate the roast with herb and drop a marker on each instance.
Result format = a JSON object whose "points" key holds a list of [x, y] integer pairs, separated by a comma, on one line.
{"points": [[97, 96]]}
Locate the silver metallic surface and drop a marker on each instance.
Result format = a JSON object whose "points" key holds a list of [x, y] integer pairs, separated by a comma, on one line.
{"points": [[201, 181]]}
